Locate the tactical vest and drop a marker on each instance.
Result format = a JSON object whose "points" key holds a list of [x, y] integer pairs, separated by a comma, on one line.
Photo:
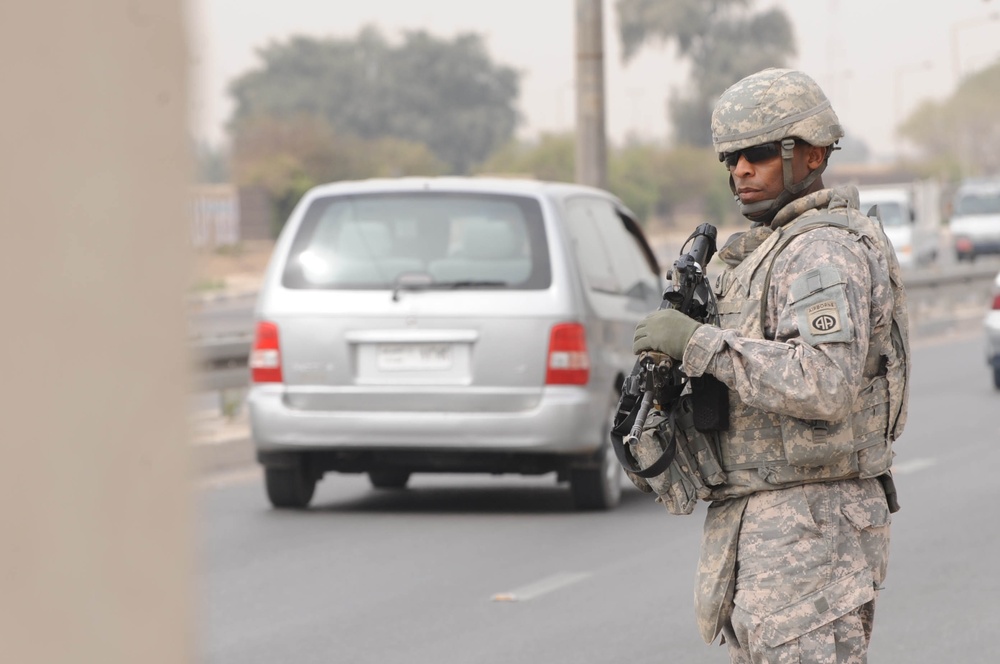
{"points": [[762, 450]]}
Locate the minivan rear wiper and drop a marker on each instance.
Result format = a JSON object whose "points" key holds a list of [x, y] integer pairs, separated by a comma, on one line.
{"points": [[414, 285], [468, 283]]}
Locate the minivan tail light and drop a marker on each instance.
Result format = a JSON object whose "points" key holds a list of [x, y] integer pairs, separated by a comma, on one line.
{"points": [[996, 302], [568, 362], [265, 356]]}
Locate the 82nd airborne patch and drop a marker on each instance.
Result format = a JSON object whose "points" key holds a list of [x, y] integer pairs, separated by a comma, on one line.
{"points": [[819, 302], [823, 318]]}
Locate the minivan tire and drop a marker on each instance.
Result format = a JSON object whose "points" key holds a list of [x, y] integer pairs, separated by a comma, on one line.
{"points": [[600, 487], [289, 488], [996, 376], [389, 479]]}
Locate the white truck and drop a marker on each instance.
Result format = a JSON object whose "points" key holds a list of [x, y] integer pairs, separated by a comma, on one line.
{"points": [[910, 214], [975, 218]]}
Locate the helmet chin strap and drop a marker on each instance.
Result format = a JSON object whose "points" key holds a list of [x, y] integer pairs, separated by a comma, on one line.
{"points": [[765, 211]]}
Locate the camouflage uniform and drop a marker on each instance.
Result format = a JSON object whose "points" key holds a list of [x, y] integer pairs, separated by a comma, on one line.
{"points": [[813, 348]]}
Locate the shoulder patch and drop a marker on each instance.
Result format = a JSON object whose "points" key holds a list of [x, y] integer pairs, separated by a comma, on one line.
{"points": [[819, 303]]}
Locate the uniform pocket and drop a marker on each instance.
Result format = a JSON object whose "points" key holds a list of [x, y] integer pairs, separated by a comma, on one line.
{"points": [[869, 543], [867, 514], [819, 301], [817, 609], [813, 444]]}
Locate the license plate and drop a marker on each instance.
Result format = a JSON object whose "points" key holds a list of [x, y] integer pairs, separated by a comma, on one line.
{"points": [[413, 357]]}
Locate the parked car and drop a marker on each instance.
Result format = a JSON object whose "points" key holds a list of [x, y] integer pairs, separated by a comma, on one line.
{"points": [[975, 218], [992, 324], [448, 325], [914, 240]]}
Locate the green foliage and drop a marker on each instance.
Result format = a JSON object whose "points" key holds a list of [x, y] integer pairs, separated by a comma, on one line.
{"points": [[634, 176], [447, 95], [960, 135], [551, 157], [288, 156], [211, 164], [653, 181], [724, 40]]}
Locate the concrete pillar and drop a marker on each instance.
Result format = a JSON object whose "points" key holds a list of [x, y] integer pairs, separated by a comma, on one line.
{"points": [[95, 501]]}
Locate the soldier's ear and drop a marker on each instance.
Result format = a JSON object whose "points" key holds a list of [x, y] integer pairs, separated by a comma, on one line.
{"points": [[815, 156]]}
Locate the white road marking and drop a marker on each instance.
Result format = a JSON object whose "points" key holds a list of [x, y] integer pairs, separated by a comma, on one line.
{"points": [[912, 466], [539, 588]]}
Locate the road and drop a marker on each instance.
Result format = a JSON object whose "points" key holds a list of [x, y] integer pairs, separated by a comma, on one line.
{"points": [[490, 570]]}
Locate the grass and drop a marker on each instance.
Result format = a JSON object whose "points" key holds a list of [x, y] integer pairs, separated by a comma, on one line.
{"points": [[207, 285]]}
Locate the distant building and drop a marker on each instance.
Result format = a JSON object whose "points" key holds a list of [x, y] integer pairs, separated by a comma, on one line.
{"points": [[224, 215], [215, 216]]}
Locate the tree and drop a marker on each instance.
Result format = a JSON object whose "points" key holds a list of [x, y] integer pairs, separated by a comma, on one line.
{"points": [[286, 156], [960, 135], [724, 40], [653, 181], [445, 94], [551, 157], [211, 164]]}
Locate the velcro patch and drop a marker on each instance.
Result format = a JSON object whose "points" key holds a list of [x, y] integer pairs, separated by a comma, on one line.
{"points": [[819, 302]]}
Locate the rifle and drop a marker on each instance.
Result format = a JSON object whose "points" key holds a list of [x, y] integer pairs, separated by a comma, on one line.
{"points": [[656, 380]]}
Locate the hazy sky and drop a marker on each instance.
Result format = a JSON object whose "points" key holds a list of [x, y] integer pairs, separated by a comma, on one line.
{"points": [[876, 59]]}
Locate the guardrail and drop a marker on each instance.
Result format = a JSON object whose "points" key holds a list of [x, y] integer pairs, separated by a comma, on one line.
{"points": [[222, 362], [938, 298]]}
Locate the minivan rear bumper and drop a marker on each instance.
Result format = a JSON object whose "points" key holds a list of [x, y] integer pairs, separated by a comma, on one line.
{"points": [[566, 420]]}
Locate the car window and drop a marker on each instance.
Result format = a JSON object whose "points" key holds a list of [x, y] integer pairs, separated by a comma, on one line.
{"points": [[436, 239], [977, 203], [890, 212], [593, 254], [628, 261]]}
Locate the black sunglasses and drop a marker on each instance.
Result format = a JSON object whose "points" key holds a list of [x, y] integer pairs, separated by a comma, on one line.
{"points": [[754, 154]]}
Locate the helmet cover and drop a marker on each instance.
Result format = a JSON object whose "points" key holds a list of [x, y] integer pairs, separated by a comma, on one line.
{"points": [[771, 105]]}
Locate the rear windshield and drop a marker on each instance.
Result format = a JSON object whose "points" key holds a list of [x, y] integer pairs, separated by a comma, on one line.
{"points": [[978, 204], [420, 240]]}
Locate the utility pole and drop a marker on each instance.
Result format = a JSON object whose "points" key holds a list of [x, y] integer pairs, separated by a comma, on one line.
{"points": [[591, 140]]}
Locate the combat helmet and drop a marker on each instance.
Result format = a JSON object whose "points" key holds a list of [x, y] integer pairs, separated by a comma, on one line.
{"points": [[775, 105]]}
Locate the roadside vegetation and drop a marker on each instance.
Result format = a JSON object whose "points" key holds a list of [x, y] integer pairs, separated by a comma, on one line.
{"points": [[320, 110]]}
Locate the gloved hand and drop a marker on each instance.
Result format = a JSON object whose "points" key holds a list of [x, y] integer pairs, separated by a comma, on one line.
{"points": [[666, 330]]}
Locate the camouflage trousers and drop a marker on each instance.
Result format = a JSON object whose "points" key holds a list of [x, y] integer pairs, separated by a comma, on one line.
{"points": [[810, 562]]}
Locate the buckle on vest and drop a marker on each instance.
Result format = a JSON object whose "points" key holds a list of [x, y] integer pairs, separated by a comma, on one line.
{"points": [[820, 430]]}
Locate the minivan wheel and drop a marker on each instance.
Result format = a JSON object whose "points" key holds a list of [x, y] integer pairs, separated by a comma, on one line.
{"points": [[597, 488], [289, 488], [389, 479], [996, 376]]}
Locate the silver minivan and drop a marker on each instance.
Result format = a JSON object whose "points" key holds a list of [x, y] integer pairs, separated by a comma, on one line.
{"points": [[429, 325]]}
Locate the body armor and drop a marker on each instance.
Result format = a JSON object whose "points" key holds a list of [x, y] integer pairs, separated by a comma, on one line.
{"points": [[763, 450]]}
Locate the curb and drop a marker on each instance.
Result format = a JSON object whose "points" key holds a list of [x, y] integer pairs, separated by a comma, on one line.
{"points": [[211, 458]]}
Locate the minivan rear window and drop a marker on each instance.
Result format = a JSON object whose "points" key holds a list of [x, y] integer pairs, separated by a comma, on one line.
{"points": [[425, 239]]}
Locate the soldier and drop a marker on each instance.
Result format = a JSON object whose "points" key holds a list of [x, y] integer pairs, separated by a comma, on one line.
{"points": [[812, 346]]}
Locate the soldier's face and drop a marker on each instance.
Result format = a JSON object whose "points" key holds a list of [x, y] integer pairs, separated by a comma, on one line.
{"points": [[762, 180]]}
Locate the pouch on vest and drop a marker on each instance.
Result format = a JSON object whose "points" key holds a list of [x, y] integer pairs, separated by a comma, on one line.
{"points": [[695, 467], [815, 443]]}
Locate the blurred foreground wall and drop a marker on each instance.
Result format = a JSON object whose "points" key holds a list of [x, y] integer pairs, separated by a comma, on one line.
{"points": [[95, 541]]}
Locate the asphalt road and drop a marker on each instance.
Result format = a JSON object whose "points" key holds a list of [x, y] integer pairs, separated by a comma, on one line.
{"points": [[477, 569]]}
